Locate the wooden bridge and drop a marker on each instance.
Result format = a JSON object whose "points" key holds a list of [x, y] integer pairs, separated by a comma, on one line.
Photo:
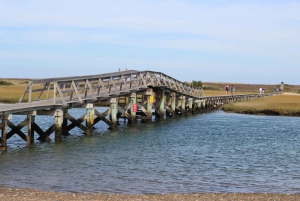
{"points": [[130, 95]]}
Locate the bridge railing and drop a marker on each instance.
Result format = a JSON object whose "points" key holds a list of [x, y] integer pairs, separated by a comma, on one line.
{"points": [[80, 88]]}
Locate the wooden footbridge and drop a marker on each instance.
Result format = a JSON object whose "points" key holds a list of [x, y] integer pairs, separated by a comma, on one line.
{"points": [[130, 95]]}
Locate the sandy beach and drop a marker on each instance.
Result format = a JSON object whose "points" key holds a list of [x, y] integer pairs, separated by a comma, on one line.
{"points": [[10, 194]]}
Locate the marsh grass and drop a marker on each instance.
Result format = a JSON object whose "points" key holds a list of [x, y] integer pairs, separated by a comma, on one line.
{"points": [[12, 93], [288, 105]]}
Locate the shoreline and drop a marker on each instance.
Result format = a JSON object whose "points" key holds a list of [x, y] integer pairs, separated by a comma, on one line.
{"points": [[10, 194]]}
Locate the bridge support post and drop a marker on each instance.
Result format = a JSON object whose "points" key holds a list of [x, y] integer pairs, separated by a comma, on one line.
{"points": [[59, 118], [160, 110], [147, 115], [197, 106], [114, 112], [173, 102], [89, 118], [170, 112], [203, 103], [133, 109], [65, 123], [190, 104], [3, 138], [149, 103], [183, 104], [30, 125]]}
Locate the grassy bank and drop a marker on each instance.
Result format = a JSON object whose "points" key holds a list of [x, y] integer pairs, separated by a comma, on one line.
{"points": [[287, 105]]}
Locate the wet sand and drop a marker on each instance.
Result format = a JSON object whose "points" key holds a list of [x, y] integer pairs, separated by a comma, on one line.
{"points": [[9, 194]]}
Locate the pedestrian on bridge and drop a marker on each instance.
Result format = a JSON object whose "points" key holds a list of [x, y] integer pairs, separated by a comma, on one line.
{"points": [[227, 88], [232, 89]]}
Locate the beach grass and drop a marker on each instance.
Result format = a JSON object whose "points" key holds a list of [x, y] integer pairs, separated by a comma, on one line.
{"points": [[287, 105], [11, 94]]}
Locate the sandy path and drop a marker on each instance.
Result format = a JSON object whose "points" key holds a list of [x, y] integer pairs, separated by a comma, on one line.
{"points": [[9, 194]]}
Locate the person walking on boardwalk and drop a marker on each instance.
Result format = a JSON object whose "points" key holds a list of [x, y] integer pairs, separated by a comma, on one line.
{"points": [[227, 88], [232, 89]]}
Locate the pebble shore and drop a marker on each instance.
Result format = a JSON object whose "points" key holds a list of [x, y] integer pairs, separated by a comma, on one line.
{"points": [[12, 194]]}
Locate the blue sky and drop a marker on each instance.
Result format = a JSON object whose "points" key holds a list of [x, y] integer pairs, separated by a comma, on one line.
{"points": [[220, 41]]}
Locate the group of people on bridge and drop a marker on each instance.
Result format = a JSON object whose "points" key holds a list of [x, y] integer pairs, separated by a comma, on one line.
{"points": [[231, 88]]}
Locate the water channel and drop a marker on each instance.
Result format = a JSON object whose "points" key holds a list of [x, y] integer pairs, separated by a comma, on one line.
{"points": [[203, 153]]}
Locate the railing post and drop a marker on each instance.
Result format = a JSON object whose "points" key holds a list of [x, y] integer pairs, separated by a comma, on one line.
{"points": [[30, 92], [54, 95]]}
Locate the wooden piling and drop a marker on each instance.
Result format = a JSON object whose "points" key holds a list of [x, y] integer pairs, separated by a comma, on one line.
{"points": [[190, 105], [65, 131], [30, 126], [160, 104], [183, 102], [114, 112], [133, 109], [58, 125], [4, 132], [89, 119]]}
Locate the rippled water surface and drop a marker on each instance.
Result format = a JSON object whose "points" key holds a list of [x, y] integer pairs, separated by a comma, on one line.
{"points": [[212, 152]]}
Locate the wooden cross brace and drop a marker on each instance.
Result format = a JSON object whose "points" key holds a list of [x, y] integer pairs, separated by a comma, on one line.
{"points": [[44, 136]]}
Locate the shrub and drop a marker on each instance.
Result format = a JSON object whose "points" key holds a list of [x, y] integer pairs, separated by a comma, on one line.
{"points": [[210, 88], [2, 82], [197, 84]]}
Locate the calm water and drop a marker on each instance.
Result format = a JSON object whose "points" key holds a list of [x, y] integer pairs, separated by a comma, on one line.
{"points": [[213, 152]]}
